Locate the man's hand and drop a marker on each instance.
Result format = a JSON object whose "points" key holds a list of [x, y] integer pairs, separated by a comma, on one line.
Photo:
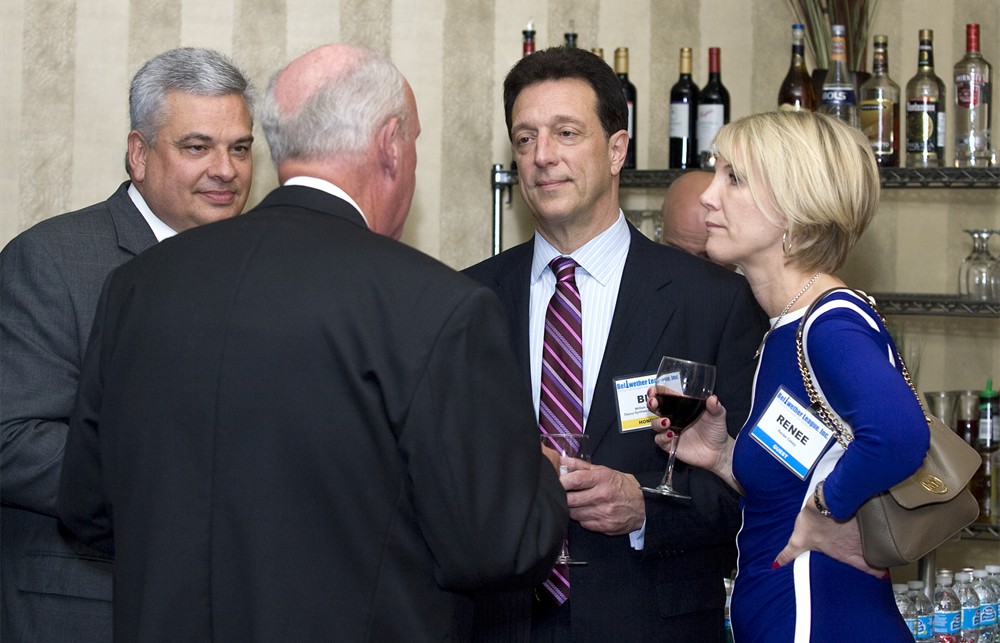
{"points": [[602, 499]]}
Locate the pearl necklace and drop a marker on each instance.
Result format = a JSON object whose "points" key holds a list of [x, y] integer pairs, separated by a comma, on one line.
{"points": [[784, 312]]}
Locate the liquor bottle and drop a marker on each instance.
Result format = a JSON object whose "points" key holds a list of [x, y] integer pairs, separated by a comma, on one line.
{"points": [[987, 606], [970, 606], [797, 92], [973, 104], [621, 68], [570, 36], [838, 98], [947, 610], [598, 51], [683, 116], [528, 44], [879, 107], [923, 627], [905, 606], [713, 110], [925, 110]]}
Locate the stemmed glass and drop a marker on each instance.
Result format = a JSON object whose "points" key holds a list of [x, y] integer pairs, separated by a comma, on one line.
{"points": [[681, 388], [567, 446], [974, 275]]}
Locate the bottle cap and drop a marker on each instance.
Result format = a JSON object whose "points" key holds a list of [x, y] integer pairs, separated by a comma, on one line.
{"points": [[899, 587], [915, 584], [980, 573], [963, 577], [989, 392]]}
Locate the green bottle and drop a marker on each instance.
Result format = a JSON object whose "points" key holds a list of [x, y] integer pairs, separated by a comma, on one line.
{"points": [[989, 419]]}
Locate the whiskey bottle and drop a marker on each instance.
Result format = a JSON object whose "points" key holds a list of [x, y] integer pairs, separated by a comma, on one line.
{"points": [[797, 92], [879, 107], [621, 68], [973, 105], [683, 116], [838, 98], [713, 110], [925, 110]]}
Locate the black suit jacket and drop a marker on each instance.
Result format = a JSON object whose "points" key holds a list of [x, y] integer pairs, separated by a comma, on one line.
{"points": [[54, 588], [669, 303], [290, 428]]}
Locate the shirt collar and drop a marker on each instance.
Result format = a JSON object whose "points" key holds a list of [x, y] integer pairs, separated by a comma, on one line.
{"points": [[329, 188], [592, 256], [160, 229]]}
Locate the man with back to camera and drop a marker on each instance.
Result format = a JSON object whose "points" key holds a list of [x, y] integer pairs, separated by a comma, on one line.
{"points": [[684, 215], [345, 449], [189, 162], [655, 566]]}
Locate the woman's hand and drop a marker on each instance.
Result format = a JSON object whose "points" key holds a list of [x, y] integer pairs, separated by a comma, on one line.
{"points": [[839, 540], [704, 443]]}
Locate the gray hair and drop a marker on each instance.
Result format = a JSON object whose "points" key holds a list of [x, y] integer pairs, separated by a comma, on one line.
{"points": [[192, 70], [341, 116]]}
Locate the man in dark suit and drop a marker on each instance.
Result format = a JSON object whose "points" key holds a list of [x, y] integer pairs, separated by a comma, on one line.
{"points": [[292, 427], [655, 565], [189, 163]]}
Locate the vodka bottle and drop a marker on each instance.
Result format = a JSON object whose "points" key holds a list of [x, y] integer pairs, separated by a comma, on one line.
{"points": [[925, 110], [987, 606], [905, 606], [970, 607], [947, 610], [923, 627], [973, 104], [838, 98], [879, 107]]}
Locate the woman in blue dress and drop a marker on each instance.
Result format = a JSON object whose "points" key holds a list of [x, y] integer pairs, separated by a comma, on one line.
{"points": [[792, 193]]}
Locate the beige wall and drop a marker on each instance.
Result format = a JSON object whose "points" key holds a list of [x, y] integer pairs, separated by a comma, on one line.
{"points": [[65, 67]]}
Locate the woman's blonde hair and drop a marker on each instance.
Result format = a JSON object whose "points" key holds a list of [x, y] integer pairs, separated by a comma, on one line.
{"points": [[811, 174]]}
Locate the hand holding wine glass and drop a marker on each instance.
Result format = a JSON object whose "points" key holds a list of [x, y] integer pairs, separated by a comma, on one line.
{"points": [[567, 446], [681, 388]]}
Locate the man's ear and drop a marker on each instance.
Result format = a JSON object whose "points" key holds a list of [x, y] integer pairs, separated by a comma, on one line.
{"points": [[617, 147], [388, 145], [137, 149]]}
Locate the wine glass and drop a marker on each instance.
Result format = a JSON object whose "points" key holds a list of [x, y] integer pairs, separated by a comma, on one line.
{"points": [[567, 445], [681, 388], [976, 270]]}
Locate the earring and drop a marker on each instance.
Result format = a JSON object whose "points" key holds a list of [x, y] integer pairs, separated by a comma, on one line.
{"points": [[784, 247]]}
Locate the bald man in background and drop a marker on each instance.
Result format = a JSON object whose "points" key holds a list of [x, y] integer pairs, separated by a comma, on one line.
{"points": [[684, 215]]}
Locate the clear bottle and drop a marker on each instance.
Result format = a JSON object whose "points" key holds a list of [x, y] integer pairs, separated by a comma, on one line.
{"points": [[923, 627], [621, 68], [683, 116], [926, 100], [988, 622], [729, 597], [713, 109], [905, 605], [797, 92], [973, 104], [970, 607], [879, 107], [838, 98], [947, 610]]}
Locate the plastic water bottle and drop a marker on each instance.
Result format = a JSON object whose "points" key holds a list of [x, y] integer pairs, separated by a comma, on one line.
{"points": [[729, 598], [947, 610], [905, 605], [987, 606], [923, 627], [970, 607]]}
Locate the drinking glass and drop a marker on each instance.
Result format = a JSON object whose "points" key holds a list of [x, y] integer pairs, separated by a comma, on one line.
{"points": [[681, 388], [975, 273], [567, 445]]}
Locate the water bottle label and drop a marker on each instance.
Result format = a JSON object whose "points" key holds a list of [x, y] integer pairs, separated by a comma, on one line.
{"points": [[947, 622], [911, 624], [989, 614], [970, 618], [924, 627]]}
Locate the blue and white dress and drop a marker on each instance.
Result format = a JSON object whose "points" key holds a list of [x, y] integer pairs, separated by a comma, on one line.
{"points": [[817, 598]]}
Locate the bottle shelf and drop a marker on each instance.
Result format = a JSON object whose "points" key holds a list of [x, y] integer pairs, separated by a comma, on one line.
{"points": [[980, 531], [935, 305]]}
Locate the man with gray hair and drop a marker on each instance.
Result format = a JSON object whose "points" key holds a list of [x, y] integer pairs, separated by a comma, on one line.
{"points": [[345, 450], [189, 161]]}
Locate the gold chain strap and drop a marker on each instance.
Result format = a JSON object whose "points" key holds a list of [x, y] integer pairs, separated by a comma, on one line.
{"points": [[843, 436]]}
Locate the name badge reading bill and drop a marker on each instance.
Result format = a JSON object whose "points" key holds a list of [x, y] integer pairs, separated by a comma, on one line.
{"points": [[792, 433], [630, 393]]}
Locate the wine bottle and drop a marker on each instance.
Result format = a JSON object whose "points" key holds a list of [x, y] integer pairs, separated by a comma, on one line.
{"points": [[925, 110], [570, 36], [683, 116], [797, 92], [621, 68], [879, 107], [973, 104], [528, 45], [598, 51], [713, 110], [838, 98]]}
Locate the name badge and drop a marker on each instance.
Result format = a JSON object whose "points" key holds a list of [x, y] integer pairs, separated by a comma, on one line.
{"points": [[630, 393], [792, 433]]}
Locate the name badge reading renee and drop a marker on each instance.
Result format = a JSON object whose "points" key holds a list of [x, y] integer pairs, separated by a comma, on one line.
{"points": [[630, 393], [792, 433]]}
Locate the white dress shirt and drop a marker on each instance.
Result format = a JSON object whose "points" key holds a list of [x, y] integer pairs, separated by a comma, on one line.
{"points": [[160, 229]]}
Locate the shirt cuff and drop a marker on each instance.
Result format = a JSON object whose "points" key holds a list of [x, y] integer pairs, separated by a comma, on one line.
{"points": [[638, 537]]}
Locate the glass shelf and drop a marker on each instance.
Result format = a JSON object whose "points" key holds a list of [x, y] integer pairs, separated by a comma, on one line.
{"points": [[921, 304]]}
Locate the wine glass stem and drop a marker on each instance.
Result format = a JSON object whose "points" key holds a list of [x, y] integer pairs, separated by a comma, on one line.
{"points": [[668, 477]]}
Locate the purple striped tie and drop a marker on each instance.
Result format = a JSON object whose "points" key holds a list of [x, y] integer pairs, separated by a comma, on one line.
{"points": [[560, 408]]}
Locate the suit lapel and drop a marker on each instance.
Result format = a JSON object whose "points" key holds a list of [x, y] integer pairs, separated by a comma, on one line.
{"points": [[134, 234], [642, 312], [513, 288]]}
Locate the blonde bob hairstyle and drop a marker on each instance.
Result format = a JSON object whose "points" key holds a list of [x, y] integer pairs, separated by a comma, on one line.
{"points": [[811, 174]]}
